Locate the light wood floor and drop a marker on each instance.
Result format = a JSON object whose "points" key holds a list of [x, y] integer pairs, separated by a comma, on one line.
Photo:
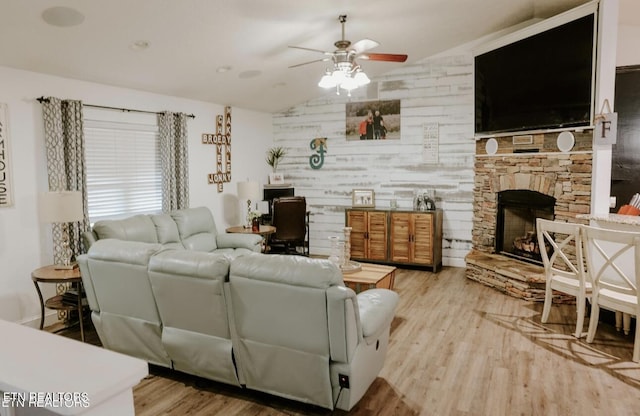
{"points": [[457, 348]]}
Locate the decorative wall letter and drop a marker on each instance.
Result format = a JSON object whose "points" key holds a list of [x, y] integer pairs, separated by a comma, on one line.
{"points": [[606, 125], [316, 161], [223, 149]]}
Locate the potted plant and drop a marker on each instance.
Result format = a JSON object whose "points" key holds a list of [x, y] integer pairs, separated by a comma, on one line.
{"points": [[274, 156]]}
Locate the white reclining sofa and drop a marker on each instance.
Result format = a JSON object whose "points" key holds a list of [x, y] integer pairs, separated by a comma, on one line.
{"points": [[285, 325]]}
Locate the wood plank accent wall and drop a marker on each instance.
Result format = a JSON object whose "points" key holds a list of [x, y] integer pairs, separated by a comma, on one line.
{"points": [[437, 90]]}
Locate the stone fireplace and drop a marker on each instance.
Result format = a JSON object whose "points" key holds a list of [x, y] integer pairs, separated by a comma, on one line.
{"points": [[525, 178]]}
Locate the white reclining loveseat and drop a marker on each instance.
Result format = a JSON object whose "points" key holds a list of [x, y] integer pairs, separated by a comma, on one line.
{"points": [[301, 334]]}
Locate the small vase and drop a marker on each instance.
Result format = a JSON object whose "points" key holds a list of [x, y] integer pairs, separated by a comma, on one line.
{"points": [[255, 225]]}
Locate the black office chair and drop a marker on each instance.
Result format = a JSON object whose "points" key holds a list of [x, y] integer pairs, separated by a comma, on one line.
{"points": [[290, 220]]}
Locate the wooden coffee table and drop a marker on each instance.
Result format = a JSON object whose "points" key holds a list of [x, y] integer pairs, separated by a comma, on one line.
{"points": [[371, 276]]}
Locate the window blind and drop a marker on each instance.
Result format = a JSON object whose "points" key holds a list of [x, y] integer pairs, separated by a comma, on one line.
{"points": [[123, 168]]}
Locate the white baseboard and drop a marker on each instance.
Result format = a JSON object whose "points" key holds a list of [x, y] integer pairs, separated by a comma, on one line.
{"points": [[50, 318], [454, 262]]}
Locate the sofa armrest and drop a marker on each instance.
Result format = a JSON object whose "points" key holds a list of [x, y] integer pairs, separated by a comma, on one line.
{"points": [[377, 308], [230, 240], [344, 324], [123, 251], [88, 238], [87, 283]]}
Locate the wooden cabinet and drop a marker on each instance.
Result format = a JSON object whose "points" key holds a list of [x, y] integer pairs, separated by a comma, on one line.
{"points": [[368, 234], [396, 236], [416, 238]]}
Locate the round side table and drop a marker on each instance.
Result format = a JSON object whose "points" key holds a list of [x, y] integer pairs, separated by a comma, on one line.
{"points": [[264, 230], [49, 274]]}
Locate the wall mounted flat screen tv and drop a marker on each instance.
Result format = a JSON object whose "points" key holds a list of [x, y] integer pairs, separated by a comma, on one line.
{"points": [[544, 81]]}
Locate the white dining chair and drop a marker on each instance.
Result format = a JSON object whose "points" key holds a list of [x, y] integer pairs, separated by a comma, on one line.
{"points": [[613, 261], [561, 250]]}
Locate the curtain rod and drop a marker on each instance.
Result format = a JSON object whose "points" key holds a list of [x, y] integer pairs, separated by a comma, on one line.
{"points": [[126, 110]]}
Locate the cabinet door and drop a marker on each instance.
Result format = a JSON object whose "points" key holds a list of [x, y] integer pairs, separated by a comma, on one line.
{"points": [[357, 220], [377, 235], [423, 238], [400, 237]]}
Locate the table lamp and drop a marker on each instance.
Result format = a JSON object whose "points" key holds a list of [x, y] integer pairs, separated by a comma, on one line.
{"points": [[62, 207], [248, 191]]}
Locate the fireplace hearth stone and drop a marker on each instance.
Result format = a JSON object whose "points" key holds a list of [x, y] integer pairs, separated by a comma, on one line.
{"points": [[516, 278]]}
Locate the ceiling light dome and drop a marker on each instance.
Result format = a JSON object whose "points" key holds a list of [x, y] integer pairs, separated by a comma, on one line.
{"points": [[62, 16]]}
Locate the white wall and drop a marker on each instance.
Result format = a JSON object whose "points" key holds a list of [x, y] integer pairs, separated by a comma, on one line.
{"points": [[436, 90], [628, 52], [25, 243]]}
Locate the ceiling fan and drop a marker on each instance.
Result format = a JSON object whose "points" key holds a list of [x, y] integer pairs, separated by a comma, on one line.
{"points": [[346, 72]]}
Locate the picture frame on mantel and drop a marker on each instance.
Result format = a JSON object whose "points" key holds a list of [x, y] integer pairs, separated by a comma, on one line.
{"points": [[363, 198], [276, 178]]}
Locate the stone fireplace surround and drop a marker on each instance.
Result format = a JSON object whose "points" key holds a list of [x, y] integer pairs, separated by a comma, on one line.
{"points": [[539, 166]]}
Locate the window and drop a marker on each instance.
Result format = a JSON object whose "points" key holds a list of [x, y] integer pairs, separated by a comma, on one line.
{"points": [[124, 175]]}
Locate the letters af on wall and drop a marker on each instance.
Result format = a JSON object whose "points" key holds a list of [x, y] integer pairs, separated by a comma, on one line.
{"points": [[6, 192], [373, 120]]}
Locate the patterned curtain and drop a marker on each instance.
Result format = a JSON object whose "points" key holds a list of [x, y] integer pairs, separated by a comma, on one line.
{"points": [[64, 138], [174, 160]]}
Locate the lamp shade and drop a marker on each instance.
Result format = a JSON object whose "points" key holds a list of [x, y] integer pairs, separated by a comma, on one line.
{"points": [[361, 78], [64, 206], [249, 190], [327, 81], [349, 84]]}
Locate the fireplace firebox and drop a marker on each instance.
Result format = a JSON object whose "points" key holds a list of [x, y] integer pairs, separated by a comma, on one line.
{"points": [[516, 223]]}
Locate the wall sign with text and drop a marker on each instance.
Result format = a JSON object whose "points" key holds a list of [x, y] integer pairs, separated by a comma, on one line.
{"points": [[222, 142]]}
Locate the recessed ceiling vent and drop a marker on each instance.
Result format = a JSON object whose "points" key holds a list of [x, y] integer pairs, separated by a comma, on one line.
{"points": [[62, 16]]}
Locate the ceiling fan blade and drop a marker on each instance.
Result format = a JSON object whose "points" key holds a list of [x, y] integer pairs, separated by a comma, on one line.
{"points": [[385, 57], [364, 45], [310, 49], [310, 62]]}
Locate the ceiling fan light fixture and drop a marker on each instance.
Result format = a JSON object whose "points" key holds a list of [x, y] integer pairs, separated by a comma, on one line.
{"points": [[347, 78], [347, 73], [361, 78], [327, 81], [349, 84], [339, 76]]}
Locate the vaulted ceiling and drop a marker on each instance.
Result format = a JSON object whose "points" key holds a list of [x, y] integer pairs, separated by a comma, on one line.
{"points": [[235, 52]]}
